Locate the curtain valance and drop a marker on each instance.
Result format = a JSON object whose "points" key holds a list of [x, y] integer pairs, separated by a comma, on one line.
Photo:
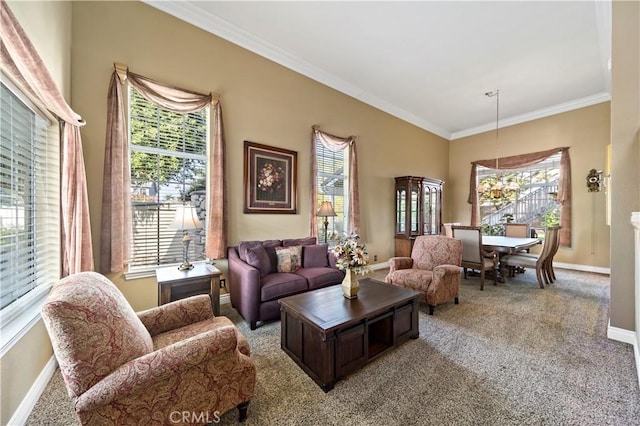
{"points": [[525, 160]]}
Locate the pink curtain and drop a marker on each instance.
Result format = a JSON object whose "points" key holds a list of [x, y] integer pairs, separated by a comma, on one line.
{"points": [[115, 230], [116, 226], [25, 67], [519, 161], [335, 144]]}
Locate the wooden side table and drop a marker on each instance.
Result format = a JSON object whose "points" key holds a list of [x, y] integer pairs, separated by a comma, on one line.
{"points": [[174, 284]]}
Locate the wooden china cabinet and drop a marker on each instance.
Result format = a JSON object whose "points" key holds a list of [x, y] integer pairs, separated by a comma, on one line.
{"points": [[418, 210]]}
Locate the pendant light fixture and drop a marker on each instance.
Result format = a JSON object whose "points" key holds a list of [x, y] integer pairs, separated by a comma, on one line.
{"points": [[496, 191]]}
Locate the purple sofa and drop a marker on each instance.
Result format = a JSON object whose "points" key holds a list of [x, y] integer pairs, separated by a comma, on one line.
{"points": [[256, 285]]}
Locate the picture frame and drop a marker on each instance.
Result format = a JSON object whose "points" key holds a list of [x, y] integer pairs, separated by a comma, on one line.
{"points": [[270, 179]]}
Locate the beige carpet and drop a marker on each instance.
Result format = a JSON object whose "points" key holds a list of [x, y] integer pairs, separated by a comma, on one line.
{"points": [[513, 354]]}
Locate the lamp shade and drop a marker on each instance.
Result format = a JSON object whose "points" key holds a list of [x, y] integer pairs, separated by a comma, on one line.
{"points": [[186, 217], [326, 210]]}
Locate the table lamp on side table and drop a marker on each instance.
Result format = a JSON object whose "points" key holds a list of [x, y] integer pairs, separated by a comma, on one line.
{"points": [[326, 211], [186, 218]]}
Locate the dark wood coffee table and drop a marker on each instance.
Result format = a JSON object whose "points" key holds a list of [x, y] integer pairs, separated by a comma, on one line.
{"points": [[330, 336]]}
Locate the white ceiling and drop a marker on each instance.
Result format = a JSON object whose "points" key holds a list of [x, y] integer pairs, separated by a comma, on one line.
{"points": [[430, 62]]}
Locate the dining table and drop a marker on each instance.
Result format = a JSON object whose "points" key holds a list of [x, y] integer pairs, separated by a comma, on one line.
{"points": [[506, 245]]}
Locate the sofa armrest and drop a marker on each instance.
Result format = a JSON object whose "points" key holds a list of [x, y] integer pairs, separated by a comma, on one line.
{"points": [[143, 373], [396, 263], [177, 314], [244, 286]]}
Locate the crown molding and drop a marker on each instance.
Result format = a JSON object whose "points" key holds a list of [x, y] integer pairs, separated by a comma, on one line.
{"points": [[191, 13], [534, 115]]}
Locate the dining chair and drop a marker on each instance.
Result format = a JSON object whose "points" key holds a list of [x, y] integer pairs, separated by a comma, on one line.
{"points": [[520, 230], [540, 262], [548, 267], [473, 254], [446, 228], [517, 230]]}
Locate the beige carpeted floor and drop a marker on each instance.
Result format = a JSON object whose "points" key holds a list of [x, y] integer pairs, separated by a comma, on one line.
{"points": [[513, 354]]}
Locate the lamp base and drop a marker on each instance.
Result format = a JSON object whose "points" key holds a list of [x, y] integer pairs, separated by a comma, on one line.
{"points": [[185, 266]]}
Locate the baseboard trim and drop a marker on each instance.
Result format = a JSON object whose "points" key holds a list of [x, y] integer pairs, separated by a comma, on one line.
{"points": [[584, 268], [225, 299], [626, 336], [380, 265], [30, 399]]}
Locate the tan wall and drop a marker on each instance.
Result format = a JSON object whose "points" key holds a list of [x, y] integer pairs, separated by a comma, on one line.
{"points": [[48, 26], [262, 102], [586, 132], [625, 155]]}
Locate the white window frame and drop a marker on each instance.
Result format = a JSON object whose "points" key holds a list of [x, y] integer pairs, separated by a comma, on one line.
{"points": [[341, 220], [20, 316], [550, 163], [142, 271]]}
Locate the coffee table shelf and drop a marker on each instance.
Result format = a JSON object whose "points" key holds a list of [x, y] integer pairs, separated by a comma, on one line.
{"points": [[330, 337]]}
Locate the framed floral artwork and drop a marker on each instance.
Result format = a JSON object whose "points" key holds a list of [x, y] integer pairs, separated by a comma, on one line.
{"points": [[269, 179]]}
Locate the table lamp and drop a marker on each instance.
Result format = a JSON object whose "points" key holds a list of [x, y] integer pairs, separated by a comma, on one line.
{"points": [[326, 210], [186, 218]]}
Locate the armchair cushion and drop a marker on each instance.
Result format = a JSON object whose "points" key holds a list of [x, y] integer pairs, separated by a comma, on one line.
{"points": [[94, 329]]}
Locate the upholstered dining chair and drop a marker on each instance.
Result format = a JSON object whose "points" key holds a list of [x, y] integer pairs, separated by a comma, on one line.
{"points": [[446, 228], [519, 230], [473, 254], [146, 368], [542, 262], [433, 269]]}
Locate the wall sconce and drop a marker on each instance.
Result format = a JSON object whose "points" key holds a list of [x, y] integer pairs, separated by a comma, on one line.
{"points": [[594, 180]]}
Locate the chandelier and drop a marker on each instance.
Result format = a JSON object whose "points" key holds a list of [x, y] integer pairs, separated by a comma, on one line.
{"points": [[497, 189]]}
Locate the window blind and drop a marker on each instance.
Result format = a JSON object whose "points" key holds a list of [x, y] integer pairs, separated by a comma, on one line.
{"points": [[29, 199], [331, 183], [168, 164]]}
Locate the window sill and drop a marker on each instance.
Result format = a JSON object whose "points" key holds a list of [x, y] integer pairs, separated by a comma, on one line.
{"points": [[19, 319]]}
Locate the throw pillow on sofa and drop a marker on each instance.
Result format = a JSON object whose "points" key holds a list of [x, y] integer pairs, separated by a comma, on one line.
{"points": [[289, 258], [315, 256], [259, 258]]}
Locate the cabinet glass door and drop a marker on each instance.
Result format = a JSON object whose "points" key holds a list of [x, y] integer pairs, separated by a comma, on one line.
{"points": [[401, 211], [415, 209]]}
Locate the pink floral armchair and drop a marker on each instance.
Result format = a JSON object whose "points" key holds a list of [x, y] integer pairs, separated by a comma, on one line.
{"points": [[175, 364], [433, 269]]}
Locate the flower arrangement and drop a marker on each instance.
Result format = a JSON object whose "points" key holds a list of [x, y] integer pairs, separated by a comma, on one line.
{"points": [[351, 254], [270, 178]]}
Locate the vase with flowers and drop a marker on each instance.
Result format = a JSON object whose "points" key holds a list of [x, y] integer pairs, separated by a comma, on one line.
{"points": [[351, 257]]}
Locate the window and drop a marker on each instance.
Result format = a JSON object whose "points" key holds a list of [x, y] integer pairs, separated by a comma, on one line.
{"points": [[533, 202], [331, 185], [29, 203], [168, 169]]}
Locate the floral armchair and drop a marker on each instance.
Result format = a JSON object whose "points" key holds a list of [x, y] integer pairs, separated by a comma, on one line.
{"points": [[146, 368], [433, 269]]}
